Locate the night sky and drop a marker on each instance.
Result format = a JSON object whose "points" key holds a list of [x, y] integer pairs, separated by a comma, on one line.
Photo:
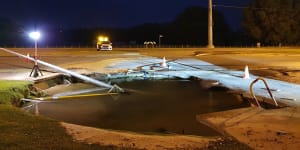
{"points": [[107, 13]]}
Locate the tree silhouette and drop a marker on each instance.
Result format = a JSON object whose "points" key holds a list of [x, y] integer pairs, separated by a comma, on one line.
{"points": [[9, 32], [190, 27], [273, 21]]}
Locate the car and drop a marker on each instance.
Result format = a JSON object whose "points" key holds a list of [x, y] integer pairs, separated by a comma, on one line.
{"points": [[104, 46]]}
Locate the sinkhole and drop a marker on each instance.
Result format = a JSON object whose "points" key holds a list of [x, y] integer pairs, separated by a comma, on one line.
{"points": [[150, 106]]}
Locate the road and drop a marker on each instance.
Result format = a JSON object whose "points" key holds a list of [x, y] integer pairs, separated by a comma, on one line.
{"points": [[277, 63]]}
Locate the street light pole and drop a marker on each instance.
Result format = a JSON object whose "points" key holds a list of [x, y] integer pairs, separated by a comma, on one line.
{"points": [[159, 40], [35, 52], [210, 25], [35, 70]]}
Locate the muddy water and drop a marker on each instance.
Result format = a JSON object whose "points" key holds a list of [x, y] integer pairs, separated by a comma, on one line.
{"points": [[154, 106]]}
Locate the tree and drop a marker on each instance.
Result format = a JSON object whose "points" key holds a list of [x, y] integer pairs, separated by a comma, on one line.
{"points": [[9, 32], [190, 27], [273, 21]]}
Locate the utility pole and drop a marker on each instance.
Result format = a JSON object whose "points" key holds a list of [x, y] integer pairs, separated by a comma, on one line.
{"points": [[210, 25]]}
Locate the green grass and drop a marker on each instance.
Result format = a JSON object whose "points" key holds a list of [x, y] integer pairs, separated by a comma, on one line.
{"points": [[21, 131], [8, 84], [13, 91]]}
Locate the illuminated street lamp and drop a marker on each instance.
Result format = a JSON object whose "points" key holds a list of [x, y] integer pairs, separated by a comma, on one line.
{"points": [[35, 70]]}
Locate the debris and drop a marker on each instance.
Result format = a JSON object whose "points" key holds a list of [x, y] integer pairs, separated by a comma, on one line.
{"points": [[290, 99], [281, 133], [273, 90]]}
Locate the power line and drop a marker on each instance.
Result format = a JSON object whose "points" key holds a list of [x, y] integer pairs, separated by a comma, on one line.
{"points": [[230, 6], [249, 7]]}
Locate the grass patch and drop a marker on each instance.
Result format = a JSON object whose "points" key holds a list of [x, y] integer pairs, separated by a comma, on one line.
{"points": [[21, 130], [13, 91]]}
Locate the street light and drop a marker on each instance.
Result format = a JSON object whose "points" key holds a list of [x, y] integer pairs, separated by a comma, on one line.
{"points": [[35, 70], [159, 40]]}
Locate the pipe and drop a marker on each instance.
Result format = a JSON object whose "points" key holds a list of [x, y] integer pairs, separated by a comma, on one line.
{"points": [[82, 77], [75, 96]]}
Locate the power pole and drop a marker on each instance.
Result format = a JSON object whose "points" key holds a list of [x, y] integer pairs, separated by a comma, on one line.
{"points": [[210, 25]]}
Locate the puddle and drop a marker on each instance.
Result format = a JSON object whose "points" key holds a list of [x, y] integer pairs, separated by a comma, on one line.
{"points": [[164, 106]]}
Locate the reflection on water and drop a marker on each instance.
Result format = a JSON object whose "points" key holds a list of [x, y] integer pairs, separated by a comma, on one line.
{"points": [[154, 106]]}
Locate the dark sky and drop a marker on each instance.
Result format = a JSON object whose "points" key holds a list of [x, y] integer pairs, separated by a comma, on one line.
{"points": [[106, 13]]}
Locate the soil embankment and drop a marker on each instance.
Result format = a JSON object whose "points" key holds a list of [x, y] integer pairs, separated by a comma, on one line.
{"points": [[134, 140]]}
